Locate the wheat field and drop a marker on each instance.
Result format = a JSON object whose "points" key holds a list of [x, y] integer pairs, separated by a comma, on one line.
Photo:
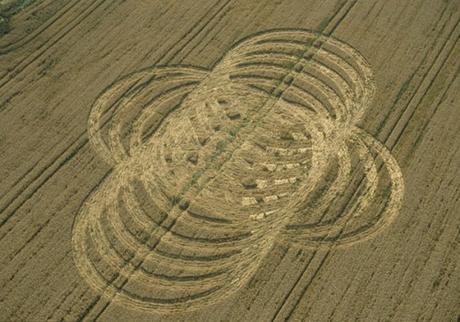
{"points": [[229, 160]]}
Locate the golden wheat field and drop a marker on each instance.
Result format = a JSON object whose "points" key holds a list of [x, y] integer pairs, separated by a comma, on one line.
{"points": [[226, 160]]}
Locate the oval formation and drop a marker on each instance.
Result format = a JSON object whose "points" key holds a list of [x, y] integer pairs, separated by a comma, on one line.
{"points": [[211, 167]]}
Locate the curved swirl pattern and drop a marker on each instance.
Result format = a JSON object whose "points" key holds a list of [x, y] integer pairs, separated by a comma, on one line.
{"points": [[210, 168]]}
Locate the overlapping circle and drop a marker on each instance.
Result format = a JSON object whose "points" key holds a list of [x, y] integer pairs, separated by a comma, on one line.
{"points": [[210, 168]]}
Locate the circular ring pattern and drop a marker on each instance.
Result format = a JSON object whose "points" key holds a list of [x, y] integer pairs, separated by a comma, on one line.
{"points": [[210, 168]]}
